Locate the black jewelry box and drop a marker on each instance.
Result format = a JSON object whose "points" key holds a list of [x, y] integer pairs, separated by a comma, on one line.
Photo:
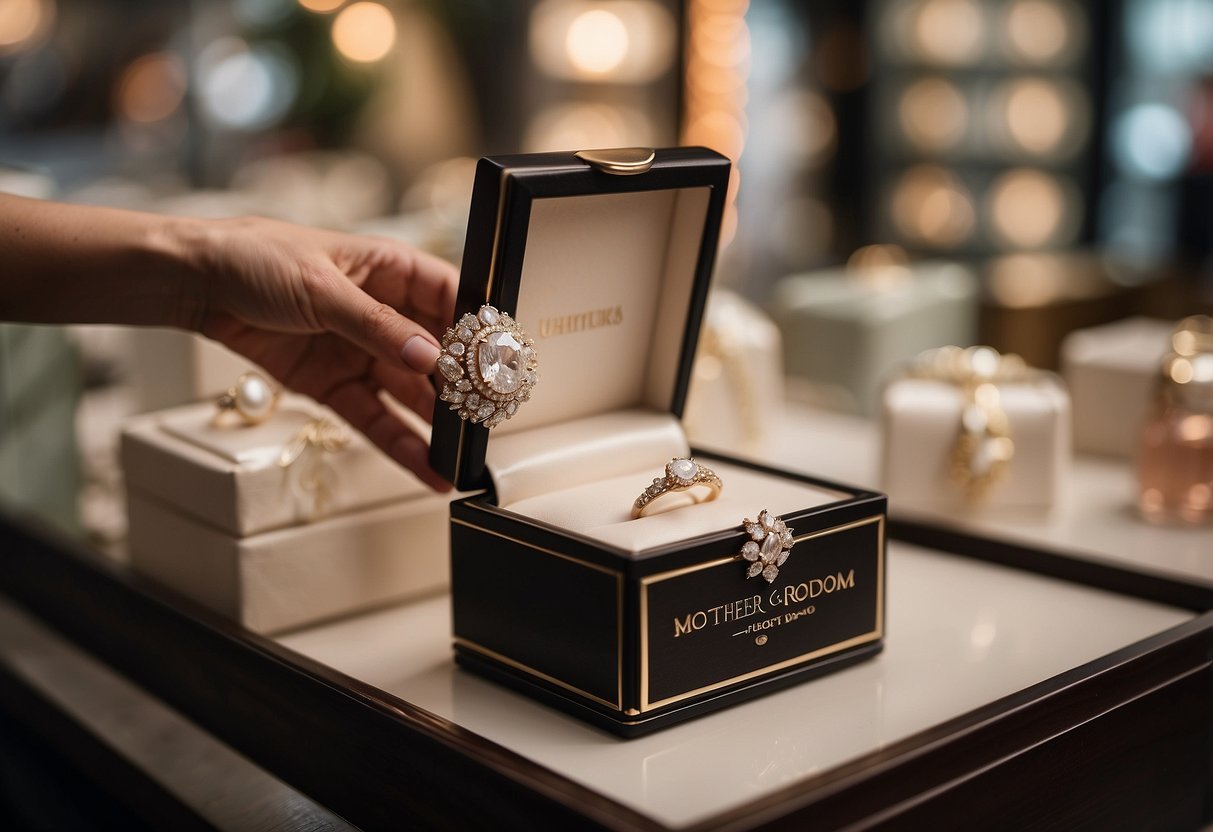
{"points": [[605, 259]]}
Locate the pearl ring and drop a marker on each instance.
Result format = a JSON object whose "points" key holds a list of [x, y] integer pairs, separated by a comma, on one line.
{"points": [[252, 398]]}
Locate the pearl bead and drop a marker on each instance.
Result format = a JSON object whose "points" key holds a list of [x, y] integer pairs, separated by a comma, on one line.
{"points": [[255, 398]]}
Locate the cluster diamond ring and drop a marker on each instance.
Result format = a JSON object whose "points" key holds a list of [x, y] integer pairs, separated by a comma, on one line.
{"points": [[489, 367], [681, 474]]}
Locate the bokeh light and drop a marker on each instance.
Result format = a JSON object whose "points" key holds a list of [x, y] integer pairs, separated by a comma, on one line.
{"points": [[1151, 141], [1026, 279], [364, 32], [625, 41], [246, 88], [950, 32], [933, 114], [1029, 208], [321, 6], [931, 205], [597, 42], [1042, 32], [151, 88], [588, 125], [1047, 117], [22, 22], [1170, 35]]}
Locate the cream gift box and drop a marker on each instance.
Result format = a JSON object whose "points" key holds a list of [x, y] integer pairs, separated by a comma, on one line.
{"points": [[1111, 372], [845, 330], [215, 516], [736, 398], [923, 420]]}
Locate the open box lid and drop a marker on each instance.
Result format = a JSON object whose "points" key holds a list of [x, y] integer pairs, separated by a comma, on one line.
{"points": [[604, 258]]}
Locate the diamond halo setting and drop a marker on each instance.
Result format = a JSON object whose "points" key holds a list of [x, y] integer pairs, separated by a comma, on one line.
{"points": [[768, 548], [681, 474], [489, 367]]}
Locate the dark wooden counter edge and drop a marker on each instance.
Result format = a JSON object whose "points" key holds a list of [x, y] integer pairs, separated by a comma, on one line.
{"points": [[385, 761]]}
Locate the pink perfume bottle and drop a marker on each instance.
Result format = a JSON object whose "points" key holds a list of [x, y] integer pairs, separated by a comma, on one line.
{"points": [[1175, 459]]}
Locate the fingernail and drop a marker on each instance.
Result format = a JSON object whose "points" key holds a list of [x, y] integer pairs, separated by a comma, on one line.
{"points": [[420, 354]]}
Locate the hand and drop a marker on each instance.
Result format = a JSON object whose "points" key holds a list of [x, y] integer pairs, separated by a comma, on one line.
{"points": [[334, 316]]}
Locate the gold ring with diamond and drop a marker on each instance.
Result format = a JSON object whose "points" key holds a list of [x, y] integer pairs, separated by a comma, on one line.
{"points": [[489, 365], [252, 398], [681, 474]]}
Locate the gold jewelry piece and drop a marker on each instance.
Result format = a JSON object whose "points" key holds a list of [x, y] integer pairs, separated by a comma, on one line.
{"points": [[681, 474], [769, 545], [984, 449], [315, 477], [489, 366], [252, 398]]}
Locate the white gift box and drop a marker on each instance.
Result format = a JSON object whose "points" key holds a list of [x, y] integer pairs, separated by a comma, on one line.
{"points": [[846, 330], [228, 476], [737, 389], [283, 579], [215, 516], [921, 422], [1111, 371]]}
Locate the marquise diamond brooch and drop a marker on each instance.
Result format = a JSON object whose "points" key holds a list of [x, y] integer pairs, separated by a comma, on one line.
{"points": [[769, 545]]}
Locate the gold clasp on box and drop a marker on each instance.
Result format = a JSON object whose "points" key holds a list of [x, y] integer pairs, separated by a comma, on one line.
{"points": [[622, 161]]}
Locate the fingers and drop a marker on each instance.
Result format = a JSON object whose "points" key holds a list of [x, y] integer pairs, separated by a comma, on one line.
{"points": [[415, 282], [374, 326], [359, 405], [411, 390]]}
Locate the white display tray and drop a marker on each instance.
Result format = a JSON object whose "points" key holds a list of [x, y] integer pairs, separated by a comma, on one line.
{"points": [[961, 634]]}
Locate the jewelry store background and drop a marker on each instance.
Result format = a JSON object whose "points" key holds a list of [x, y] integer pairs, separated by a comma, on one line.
{"points": [[1035, 176]]}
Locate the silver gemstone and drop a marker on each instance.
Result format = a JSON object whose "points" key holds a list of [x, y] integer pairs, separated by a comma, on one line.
{"points": [[469, 321], [750, 550], [511, 408], [456, 348], [767, 520], [496, 419], [488, 315], [783, 556], [788, 540], [449, 367], [474, 401], [770, 572], [463, 385], [500, 361], [485, 410], [463, 333], [452, 395], [755, 568], [755, 531]]}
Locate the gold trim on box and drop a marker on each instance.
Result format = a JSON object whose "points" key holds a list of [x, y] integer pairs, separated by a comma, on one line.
{"points": [[873, 635], [618, 704], [539, 674]]}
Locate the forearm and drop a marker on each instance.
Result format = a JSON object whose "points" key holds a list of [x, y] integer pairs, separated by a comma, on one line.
{"points": [[82, 264]]}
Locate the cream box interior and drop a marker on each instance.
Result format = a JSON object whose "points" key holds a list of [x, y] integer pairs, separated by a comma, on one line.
{"points": [[921, 422], [612, 326]]}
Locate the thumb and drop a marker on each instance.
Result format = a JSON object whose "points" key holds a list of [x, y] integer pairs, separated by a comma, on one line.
{"points": [[376, 327]]}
